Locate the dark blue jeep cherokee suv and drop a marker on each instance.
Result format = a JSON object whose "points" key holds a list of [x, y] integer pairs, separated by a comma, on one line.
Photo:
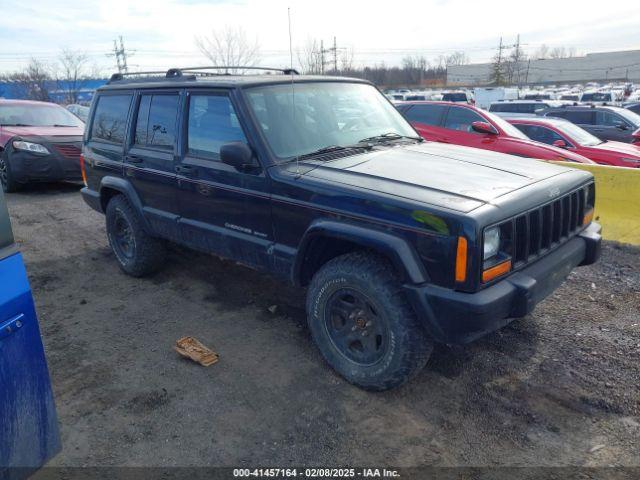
{"points": [[320, 181]]}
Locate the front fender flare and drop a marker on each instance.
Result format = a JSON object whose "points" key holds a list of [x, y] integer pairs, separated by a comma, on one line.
{"points": [[397, 249]]}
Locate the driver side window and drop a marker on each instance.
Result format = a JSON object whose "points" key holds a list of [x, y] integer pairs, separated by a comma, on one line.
{"points": [[608, 119], [544, 135], [460, 119], [212, 123]]}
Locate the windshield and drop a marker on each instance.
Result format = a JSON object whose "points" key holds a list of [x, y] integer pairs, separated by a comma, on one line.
{"points": [[326, 114], [578, 135], [30, 115], [505, 126], [630, 116], [596, 97], [454, 97]]}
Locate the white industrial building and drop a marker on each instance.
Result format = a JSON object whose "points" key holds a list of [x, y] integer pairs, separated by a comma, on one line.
{"points": [[593, 67]]}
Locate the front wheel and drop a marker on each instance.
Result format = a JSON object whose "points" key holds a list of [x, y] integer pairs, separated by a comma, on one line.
{"points": [[6, 177], [361, 322]]}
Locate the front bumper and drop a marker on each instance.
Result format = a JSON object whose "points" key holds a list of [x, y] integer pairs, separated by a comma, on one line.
{"points": [[31, 167], [458, 317]]}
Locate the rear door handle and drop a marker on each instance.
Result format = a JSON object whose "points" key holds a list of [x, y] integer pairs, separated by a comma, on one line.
{"points": [[11, 326], [187, 170], [134, 159]]}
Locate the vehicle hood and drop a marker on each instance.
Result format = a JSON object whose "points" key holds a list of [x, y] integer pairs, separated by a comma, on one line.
{"points": [[43, 131], [626, 149], [455, 177]]}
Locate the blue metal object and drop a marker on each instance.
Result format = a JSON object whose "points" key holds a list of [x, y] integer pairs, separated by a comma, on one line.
{"points": [[29, 433]]}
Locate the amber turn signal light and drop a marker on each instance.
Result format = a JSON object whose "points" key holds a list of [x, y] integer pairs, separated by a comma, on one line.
{"points": [[461, 260], [588, 217], [83, 171], [496, 271]]}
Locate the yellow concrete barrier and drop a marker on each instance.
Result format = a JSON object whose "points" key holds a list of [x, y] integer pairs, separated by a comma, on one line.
{"points": [[617, 201]]}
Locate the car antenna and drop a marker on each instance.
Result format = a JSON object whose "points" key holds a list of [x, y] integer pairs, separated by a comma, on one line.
{"points": [[293, 92]]}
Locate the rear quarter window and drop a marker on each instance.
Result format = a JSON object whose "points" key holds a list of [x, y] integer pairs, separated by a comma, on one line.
{"points": [[426, 114], [110, 118]]}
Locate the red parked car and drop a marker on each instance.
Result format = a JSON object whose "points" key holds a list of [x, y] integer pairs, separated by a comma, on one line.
{"points": [[564, 134], [39, 141], [467, 125]]}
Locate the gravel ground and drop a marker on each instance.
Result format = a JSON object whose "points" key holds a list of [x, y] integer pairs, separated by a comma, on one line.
{"points": [[559, 387]]}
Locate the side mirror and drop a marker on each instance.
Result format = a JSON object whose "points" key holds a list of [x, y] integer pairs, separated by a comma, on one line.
{"points": [[560, 143], [484, 127], [622, 126], [238, 155]]}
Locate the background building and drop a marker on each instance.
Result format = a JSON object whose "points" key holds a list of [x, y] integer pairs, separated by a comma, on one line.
{"points": [[593, 67]]}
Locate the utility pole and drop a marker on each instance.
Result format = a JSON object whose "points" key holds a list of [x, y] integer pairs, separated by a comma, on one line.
{"points": [[121, 56], [322, 57], [335, 56]]}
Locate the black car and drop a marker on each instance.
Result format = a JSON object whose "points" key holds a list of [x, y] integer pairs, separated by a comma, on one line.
{"points": [[604, 122], [321, 182]]}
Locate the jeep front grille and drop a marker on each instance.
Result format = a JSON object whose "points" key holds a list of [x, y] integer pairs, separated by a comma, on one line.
{"points": [[542, 229]]}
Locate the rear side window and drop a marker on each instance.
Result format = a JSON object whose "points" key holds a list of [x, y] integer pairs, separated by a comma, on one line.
{"points": [[579, 117], [156, 123], [426, 114], [110, 120], [461, 119], [212, 123]]}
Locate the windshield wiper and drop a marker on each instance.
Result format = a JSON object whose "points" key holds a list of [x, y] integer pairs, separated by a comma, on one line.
{"points": [[389, 136], [59, 125], [16, 125], [331, 148]]}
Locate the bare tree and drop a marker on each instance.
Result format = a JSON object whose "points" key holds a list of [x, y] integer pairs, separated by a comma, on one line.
{"points": [[541, 53], [34, 83], [346, 60], [544, 52], [310, 57], [456, 58], [514, 65], [229, 47], [73, 73]]}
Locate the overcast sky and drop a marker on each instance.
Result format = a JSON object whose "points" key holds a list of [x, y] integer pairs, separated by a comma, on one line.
{"points": [[161, 32]]}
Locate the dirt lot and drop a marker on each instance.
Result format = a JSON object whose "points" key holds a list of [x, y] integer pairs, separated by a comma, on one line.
{"points": [[561, 387]]}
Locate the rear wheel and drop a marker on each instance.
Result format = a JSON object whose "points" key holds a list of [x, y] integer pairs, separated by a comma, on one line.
{"points": [[138, 253], [6, 178], [362, 323]]}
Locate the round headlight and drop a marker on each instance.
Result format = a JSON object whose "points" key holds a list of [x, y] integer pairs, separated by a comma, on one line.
{"points": [[491, 242]]}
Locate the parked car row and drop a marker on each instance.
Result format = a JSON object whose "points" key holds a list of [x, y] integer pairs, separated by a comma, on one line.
{"points": [[473, 127], [544, 136]]}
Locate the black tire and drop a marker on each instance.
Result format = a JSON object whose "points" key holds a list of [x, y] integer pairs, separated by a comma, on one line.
{"points": [[137, 252], [9, 185], [360, 292]]}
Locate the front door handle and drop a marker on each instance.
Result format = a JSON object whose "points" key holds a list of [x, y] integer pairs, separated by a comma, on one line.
{"points": [[11, 326], [133, 159], [187, 170]]}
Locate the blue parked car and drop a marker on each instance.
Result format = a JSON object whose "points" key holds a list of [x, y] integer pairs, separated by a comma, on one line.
{"points": [[28, 424]]}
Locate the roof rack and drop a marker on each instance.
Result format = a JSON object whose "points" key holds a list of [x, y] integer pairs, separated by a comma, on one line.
{"points": [[179, 73]]}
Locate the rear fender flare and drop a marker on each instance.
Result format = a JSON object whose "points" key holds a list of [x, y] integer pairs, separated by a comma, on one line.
{"points": [[125, 187]]}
